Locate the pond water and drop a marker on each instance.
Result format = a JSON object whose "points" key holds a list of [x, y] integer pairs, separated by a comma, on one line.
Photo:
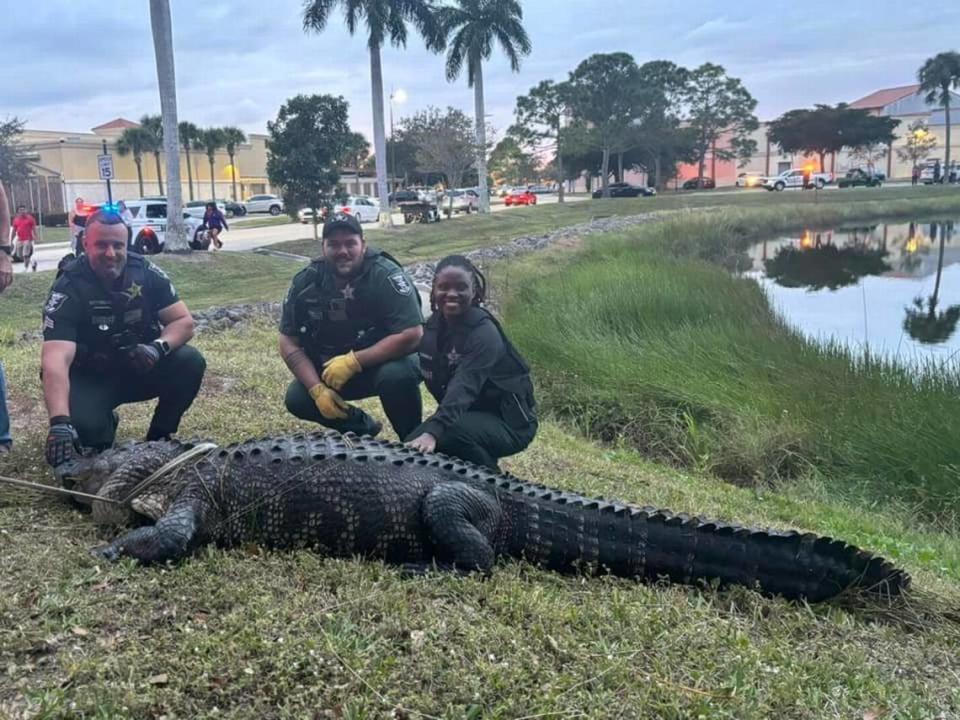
{"points": [[892, 288]]}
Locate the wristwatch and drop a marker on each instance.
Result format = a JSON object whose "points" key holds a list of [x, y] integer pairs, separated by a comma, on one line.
{"points": [[163, 346]]}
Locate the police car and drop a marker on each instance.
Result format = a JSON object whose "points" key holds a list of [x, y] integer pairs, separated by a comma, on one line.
{"points": [[149, 225]]}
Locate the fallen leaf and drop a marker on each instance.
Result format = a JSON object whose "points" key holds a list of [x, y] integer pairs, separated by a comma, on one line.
{"points": [[82, 632], [160, 679]]}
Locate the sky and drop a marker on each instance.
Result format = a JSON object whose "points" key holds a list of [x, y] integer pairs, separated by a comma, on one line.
{"points": [[70, 65]]}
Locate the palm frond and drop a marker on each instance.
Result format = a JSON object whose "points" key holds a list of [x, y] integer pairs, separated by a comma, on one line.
{"points": [[456, 54], [316, 13]]}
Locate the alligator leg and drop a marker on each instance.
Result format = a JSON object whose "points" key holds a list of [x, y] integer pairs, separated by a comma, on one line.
{"points": [[172, 538], [461, 521]]}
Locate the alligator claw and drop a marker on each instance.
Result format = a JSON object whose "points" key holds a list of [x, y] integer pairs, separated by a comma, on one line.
{"points": [[110, 553]]}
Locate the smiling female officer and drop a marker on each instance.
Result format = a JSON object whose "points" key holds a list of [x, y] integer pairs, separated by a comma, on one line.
{"points": [[482, 384]]}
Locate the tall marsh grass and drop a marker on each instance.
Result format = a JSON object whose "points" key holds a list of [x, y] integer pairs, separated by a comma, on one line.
{"points": [[644, 337]]}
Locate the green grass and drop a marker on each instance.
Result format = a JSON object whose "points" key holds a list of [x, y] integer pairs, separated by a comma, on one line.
{"points": [[645, 338], [251, 634], [411, 243], [53, 235], [289, 635], [248, 221], [203, 280]]}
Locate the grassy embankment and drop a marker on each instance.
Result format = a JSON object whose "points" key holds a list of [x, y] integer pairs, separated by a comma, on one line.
{"points": [[262, 635], [642, 337]]}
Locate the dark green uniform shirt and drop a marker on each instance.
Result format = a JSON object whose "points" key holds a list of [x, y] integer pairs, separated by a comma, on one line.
{"points": [[101, 321], [380, 300]]}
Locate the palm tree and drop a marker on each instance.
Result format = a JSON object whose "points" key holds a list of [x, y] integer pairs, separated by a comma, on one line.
{"points": [[161, 27], [927, 325], [188, 133], [153, 125], [136, 141], [232, 137], [385, 20], [937, 75], [211, 140], [475, 25], [358, 150]]}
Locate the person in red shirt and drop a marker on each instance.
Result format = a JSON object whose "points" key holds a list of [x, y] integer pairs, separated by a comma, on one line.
{"points": [[25, 233]]}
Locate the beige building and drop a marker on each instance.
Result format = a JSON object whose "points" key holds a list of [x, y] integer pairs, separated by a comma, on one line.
{"points": [[902, 103], [65, 166]]}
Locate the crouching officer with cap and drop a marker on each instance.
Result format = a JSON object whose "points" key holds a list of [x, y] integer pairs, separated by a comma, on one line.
{"points": [[349, 329], [114, 332]]}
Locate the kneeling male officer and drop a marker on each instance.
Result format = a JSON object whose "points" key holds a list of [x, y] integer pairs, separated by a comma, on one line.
{"points": [[349, 328], [114, 332]]}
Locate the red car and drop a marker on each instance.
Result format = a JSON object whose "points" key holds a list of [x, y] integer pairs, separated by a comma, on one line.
{"points": [[520, 197]]}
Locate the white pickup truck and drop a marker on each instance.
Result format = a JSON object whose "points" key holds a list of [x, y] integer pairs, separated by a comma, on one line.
{"points": [[794, 179]]}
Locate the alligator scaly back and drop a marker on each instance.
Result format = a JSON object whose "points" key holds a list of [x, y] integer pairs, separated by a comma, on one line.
{"points": [[344, 495]]}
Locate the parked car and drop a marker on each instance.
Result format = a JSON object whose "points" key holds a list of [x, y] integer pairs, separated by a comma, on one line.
{"points": [[751, 180], [794, 179], [361, 207], [693, 184], [264, 203], [461, 200], [618, 190], [149, 225], [197, 208], [926, 172], [503, 190], [540, 189], [860, 178], [520, 197], [234, 208]]}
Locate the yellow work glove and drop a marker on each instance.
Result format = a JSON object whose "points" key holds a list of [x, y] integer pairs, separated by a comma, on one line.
{"points": [[329, 403], [338, 370]]}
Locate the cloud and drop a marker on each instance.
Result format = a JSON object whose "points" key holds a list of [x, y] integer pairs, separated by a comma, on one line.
{"points": [[71, 66]]}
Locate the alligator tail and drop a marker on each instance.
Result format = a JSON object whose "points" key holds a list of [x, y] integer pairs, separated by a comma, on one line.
{"points": [[565, 532]]}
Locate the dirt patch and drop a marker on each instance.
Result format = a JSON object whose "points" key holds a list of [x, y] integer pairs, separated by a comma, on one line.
{"points": [[217, 384], [26, 413]]}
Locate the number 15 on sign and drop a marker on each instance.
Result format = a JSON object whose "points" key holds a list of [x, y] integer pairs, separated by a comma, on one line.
{"points": [[105, 163]]}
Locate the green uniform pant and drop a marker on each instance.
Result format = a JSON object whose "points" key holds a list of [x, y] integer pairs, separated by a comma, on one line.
{"points": [[481, 438], [396, 383], [175, 380]]}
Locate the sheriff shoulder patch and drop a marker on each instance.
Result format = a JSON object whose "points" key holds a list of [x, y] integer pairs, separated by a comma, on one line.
{"points": [[401, 284], [54, 302]]}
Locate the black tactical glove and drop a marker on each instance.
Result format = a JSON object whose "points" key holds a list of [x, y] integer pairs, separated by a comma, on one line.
{"points": [[63, 443], [144, 357]]}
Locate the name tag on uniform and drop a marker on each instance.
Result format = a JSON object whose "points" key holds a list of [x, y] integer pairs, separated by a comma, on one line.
{"points": [[338, 310], [102, 322], [132, 316]]}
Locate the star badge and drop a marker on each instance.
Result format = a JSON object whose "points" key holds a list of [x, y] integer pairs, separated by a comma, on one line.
{"points": [[134, 290], [453, 357], [347, 292]]}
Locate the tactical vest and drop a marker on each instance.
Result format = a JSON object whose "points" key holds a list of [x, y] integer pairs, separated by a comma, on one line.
{"points": [[508, 391], [113, 320], [329, 324]]}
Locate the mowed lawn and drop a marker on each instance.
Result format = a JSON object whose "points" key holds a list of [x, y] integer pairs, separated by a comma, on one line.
{"points": [[253, 634]]}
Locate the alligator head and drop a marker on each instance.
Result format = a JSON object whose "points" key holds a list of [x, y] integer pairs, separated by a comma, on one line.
{"points": [[115, 473]]}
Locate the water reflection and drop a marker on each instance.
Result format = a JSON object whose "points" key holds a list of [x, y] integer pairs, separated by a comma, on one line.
{"points": [[927, 325], [894, 288]]}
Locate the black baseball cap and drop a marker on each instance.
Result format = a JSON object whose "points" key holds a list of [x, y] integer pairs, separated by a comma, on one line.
{"points": [[342, 221]]}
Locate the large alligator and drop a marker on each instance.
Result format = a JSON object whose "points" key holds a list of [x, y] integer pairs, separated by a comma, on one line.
{"points": [[344, 496]]}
